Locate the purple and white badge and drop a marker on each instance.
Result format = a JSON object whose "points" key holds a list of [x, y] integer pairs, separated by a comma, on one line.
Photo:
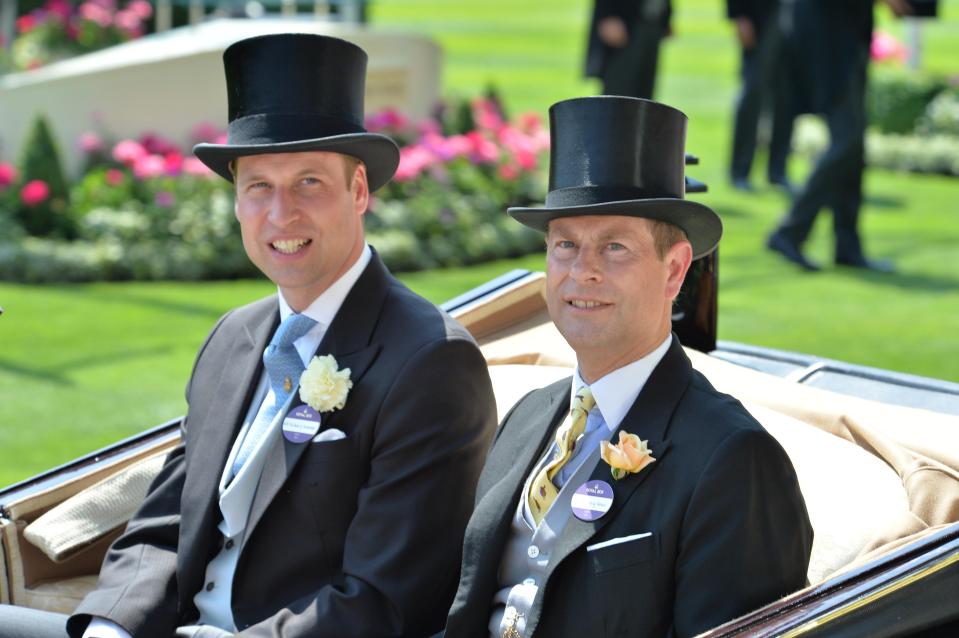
{"points": [[592, 500], [300, 424]]}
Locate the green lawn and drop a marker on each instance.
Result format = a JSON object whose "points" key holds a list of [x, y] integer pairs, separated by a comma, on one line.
{"points": [[81, 366]]}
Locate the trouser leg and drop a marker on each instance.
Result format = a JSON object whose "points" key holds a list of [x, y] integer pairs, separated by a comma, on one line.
{"points": [[781, 110], [631, 71], [746, 120], [22, 622], [836, 180]]}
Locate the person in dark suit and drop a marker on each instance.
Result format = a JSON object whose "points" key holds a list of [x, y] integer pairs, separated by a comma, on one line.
{"points": [[693, 515], [328, 509], [623, 44], [763, 89], [827, 51]]}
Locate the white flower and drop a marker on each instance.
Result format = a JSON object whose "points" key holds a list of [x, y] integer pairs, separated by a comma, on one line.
{"points": [[322, 386]]}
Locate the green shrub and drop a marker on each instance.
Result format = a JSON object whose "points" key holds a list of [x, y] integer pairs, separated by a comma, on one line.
{"points": [[941, 116], [40, 163], [896, 101]]}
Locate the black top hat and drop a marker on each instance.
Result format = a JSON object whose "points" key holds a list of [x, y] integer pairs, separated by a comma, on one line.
{"points": [[614, 155], [295, 92]]}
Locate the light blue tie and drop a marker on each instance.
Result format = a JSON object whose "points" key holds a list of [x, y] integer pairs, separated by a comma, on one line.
{"points": [[284, 367]]}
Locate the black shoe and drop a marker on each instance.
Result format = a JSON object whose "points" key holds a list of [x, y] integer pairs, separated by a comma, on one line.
{"points": [[742, 184], [860, 261], [787, 248], [783, 182]]}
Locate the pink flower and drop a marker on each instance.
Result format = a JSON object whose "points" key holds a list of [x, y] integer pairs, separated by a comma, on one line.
{"points": [[885, 47], [414, 160], [530, 122], [164, 199], [114, 176], [508, 171], [157, 144], [141, 8], [429, 126], [193, 166], [388, 118], [487, 114], [149, 166], [60, 8], [90, 142], [26, 23], [174, 163], [128, 152], [205, 132], [34, 192], [8, 175], [129, 23], [484, 151], [97, 13]]}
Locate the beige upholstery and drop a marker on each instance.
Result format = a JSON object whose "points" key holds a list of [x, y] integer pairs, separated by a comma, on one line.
{"points": [[872, 474], [94, 512]]}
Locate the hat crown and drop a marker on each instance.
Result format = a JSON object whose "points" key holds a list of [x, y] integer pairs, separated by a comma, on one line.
{"points": [[312, 83], [611, 148]]}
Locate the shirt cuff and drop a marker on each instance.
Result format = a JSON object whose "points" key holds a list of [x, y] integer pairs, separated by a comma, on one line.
{"points": [[103, 628]]}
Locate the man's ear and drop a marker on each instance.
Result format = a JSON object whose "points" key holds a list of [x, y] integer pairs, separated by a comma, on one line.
{"points": [[360, 189], [677, 260]]}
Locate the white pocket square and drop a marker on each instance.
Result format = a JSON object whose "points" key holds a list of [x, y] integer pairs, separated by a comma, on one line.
{"points": [[329, 435], [617, 541]]}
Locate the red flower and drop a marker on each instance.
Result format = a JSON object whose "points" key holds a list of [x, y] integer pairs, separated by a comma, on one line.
{"points": [[34, 192], [8, 175], [114, 177], [26, 23]]}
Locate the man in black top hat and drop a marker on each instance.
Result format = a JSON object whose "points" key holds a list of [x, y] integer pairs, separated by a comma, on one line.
{"points": [[332, 509], [693, 515]]}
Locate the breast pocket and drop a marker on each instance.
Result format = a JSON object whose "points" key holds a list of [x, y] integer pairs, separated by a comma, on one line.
{"points": [[623, 552], [626, 589]]}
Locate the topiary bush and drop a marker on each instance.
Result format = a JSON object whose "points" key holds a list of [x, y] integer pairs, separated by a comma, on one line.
{"points": [[44, 206], [896, 101]]}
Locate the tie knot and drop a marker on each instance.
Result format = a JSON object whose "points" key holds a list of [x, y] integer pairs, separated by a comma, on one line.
{"points": [[584, 400], [291, 329]]}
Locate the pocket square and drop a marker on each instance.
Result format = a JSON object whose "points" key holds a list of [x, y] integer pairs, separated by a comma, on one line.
{"points": [[329, 435], [617, 541]]}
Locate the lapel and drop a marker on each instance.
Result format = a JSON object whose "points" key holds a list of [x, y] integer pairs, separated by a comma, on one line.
{"points": [[648, 418], [224, 415], [519, 445], [349, 340]]}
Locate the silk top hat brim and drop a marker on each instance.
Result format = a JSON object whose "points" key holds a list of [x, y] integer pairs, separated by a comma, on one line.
{"points": [[612, 155], [701, 225], [378, 152], [294, 93]]}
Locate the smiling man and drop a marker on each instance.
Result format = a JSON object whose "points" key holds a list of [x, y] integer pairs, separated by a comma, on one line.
{"points": [[335, 430], [693, 515]]}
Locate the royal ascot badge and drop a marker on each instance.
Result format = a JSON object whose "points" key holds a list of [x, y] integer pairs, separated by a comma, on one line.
{"points": [[301, 424], [323, 386], [592, 500], [629, 456]]}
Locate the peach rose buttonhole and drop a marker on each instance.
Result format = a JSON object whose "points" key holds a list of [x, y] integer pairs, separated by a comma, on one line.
{"points": [[629, 456]]}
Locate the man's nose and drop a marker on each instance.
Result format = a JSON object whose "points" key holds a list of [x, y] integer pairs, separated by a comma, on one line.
{"points": [[284, 208], [586, 266]]}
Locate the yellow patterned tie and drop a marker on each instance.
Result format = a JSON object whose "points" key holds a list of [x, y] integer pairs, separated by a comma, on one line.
{"points": [[542, 492]]}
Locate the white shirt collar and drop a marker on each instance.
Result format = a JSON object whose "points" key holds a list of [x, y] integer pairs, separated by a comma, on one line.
{"points": [[616, 392], [324, 308]]}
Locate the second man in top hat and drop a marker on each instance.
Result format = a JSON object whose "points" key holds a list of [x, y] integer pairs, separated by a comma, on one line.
{"points": [[693, 515]]}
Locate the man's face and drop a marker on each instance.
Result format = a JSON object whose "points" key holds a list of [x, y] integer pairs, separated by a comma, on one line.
{"points": [[608, 292], [301, 223]]}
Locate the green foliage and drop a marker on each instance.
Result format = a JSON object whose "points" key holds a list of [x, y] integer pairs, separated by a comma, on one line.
{"points": [[896, 101], [941, 116], [40, 160]]}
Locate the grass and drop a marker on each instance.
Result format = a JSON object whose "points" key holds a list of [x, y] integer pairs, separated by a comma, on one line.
{"points": [[84, 365]]}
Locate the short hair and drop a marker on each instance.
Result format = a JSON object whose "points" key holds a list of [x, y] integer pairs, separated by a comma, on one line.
{"points": [[665, 236], [349, 168]]}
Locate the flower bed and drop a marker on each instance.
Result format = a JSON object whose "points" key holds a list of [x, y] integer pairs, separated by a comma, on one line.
{"points": [[147, 209]]}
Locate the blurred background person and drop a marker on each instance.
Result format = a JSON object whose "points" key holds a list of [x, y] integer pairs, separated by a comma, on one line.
{"points": [[623, 47], [763, 92], [827, 53]]}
